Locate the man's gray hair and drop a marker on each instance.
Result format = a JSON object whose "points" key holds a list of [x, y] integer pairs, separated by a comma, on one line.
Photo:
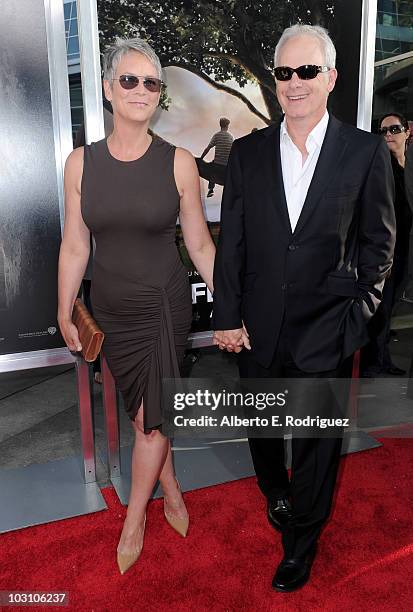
{"points": [[300, 29], [123, 46]]}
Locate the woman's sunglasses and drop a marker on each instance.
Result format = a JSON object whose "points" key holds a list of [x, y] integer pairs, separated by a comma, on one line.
{"points": [[130, 81], [393, 129], [305, 73]]}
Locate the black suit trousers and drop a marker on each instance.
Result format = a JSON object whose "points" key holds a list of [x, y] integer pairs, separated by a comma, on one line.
{"points": [[376, 354], [315, 461]]}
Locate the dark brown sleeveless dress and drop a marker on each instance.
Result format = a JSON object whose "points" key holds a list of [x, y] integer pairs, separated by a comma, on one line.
{"points": [[140, 290]]}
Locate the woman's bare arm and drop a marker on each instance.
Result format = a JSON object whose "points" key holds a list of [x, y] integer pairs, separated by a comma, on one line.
{"points": [[74, 250], [198, 241]]}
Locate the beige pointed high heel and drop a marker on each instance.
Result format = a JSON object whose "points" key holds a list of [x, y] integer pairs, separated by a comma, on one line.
{"points": [[180, 525], [125, 561]]}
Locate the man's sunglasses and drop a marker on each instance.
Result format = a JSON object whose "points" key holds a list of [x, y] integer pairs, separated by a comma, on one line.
{"points": [[130, 81], [393, 129], [305, 73]]}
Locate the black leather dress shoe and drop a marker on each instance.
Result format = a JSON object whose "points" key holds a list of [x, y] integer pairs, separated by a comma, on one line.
{"points": [[279, 512], [293, 572]]}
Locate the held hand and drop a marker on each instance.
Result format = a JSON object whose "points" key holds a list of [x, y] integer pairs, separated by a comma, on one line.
{"points": [[70, 335], [230, 339]]}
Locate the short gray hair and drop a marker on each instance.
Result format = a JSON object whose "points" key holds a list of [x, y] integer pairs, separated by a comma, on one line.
{"points": [[123, 46], [300, 29]]}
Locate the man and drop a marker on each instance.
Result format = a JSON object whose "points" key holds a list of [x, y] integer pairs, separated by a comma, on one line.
{"points": [[222, 141], [307, 237]]}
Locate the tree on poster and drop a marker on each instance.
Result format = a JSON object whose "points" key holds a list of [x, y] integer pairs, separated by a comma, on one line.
{"points": [[229, 39]]}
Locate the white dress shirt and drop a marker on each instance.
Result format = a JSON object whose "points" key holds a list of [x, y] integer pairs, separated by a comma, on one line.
{"points": [[296, 175]]}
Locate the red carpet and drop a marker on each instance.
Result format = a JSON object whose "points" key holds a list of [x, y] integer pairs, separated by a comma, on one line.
{"points": [[227, 561]]}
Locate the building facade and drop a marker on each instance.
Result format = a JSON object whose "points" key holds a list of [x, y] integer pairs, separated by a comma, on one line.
{"points": [[73, 63], [393, 72]]}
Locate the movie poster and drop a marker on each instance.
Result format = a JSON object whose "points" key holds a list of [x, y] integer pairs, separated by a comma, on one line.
{"points": [[218, 57], [29, 207]]}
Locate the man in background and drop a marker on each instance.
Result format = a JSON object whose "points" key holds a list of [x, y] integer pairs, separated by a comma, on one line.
{"points": [[222, 141]]}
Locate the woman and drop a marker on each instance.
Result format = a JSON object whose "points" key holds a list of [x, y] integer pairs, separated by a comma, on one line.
{"points": [[376, 356], [128, 190]]}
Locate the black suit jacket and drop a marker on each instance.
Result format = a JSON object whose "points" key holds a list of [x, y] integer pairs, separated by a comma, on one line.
{"points": [[325, 279], [408, 175], [408, 178]]}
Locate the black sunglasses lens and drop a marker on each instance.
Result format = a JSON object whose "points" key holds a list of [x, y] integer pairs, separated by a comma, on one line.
{"points": [[393, 129], [307, 72], [153, 85], [128, 81], [283, 73]]}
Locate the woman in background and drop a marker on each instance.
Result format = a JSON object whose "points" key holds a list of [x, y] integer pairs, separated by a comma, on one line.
{"points": [[128, 190], [376, 358]]}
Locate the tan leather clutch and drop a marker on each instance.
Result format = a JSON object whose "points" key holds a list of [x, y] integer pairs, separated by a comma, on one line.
{"points": [[90, 335]]}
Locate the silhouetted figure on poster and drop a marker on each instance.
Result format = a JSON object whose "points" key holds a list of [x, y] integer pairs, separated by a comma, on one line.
{"points": [[214, 172]]}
